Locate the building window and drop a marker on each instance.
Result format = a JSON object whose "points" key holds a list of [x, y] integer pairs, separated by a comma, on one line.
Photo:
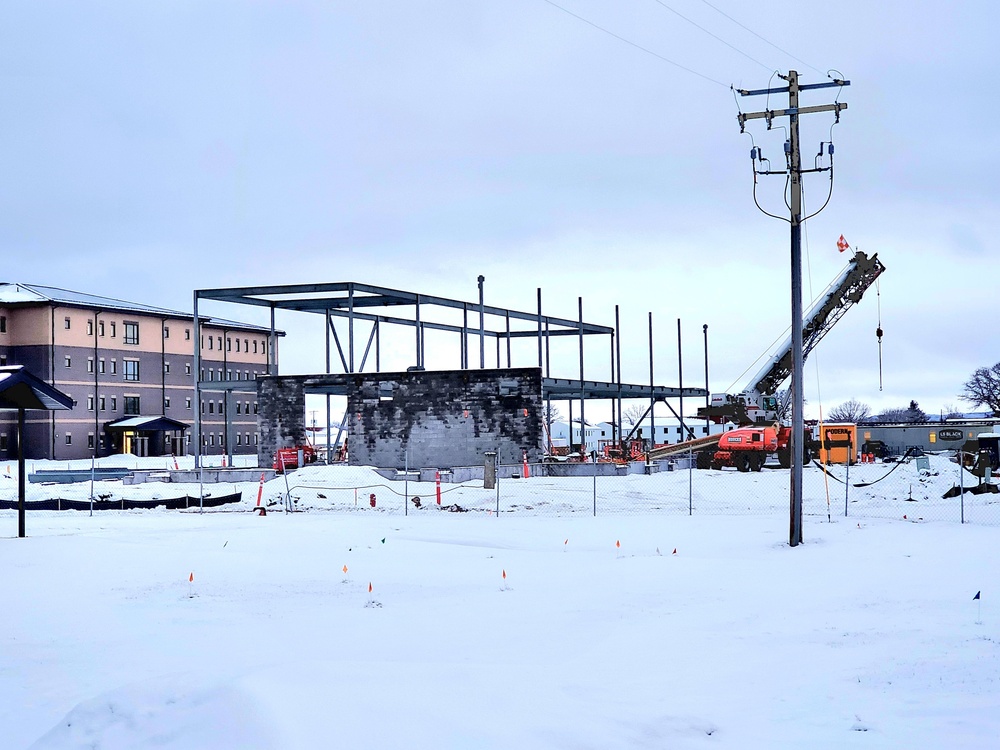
{"points": [[131, 334], [237, 344], [66, 323], [211, 407], [246, 374], [90, 403], [100, 366], [166, 332], [246, 345], [255, 346], [90, 328], [202, 407], [114, 367], [254, 407], [90, 440], [166, 368], [3, 441], [68, 361], [132, 405], [220, 373], [187, 403], [255, 440], [101, 403], [239, 439], [166, 403], [211, 343], [187, 334], [211, 439], [246, 407], [187, 368], [113, 334], [202, 373], [219, 339], [229, 344], [100, 328], [3, 324], [69, 438], [229, 374], [211, 374], [3, 360], [239, 406], [90, 364], [114, 403], [131, 367]]}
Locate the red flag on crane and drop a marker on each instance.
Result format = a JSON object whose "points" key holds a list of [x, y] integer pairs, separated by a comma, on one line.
{"points": [[842, 244]]}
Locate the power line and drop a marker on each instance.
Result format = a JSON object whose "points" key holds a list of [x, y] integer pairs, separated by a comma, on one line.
{"points": [[785, 52], [717, 38], [637, 46]]}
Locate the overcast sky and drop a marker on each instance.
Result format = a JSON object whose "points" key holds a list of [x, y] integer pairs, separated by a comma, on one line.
{"points": [[151, 148]]}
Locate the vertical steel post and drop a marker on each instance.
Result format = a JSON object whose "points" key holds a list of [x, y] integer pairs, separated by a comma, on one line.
{"points": [[539, 295], [350, 327], [652, 399], [417, 327], [482, 325], [680, 384], [618, 371], [326, 329], [197, 385], [708, 421], [583, 395]]}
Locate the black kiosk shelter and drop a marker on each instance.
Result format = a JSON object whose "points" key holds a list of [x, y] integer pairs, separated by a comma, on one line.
{"points": [[21, 390]]}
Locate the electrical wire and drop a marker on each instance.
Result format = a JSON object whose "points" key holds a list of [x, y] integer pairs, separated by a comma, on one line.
{"points": [[751, 31], [717, 38], [878, 330], [637, 46]]}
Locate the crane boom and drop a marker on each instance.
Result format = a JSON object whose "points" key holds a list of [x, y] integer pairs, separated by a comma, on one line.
{"points": [[757, 403]]}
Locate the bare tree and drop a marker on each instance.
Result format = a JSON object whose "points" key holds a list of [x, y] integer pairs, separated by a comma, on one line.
{"points": [[850, 411], [551, 414], [632, 414], [983, 388]]}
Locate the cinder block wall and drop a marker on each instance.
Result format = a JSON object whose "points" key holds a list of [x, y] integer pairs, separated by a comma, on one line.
{"points": [[444, 418], [281, 415]]}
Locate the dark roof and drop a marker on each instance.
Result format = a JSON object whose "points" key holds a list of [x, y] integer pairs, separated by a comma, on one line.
{"points": [[149, 424], [27, 294], [19, 389]]}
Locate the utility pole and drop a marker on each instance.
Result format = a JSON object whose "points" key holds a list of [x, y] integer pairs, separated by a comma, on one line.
{"points": [[794, 172]]}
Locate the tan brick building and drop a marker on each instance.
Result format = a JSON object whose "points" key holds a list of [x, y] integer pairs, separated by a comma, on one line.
{"points": [[129, 367]]}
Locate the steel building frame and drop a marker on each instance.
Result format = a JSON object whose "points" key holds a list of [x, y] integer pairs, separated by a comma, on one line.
{"points": [[381, 305]]}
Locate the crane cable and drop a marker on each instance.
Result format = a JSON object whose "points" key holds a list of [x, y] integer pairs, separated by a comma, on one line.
{"points": [[878, 331]]}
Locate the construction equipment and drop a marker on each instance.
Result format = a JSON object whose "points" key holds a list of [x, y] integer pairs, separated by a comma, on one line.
{"points": [[757, 409]]}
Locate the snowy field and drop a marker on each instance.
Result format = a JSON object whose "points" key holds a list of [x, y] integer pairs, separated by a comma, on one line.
{"points": [[866, 636]]}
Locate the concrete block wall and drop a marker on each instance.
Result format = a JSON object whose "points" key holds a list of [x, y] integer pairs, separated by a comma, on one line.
{"points": [[281, 415], [444, 418]]}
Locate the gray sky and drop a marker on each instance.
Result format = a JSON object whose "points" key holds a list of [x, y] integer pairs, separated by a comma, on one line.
{"points": [[151, 148]]}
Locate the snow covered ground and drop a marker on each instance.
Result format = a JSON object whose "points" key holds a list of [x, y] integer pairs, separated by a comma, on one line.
{"points": [[867, 635]]}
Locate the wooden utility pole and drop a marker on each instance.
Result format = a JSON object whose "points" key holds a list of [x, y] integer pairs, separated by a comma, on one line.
{"points": [[794, 172]]}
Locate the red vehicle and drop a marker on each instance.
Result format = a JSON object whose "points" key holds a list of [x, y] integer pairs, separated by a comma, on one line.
{"points": [[288, 458], [747, 448]]}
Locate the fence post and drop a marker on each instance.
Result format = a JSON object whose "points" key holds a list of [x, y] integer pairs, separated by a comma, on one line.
{"points": [[406, 482], [690, 480], [593, 457], [961, 484], [847, 480], [91, 485]]}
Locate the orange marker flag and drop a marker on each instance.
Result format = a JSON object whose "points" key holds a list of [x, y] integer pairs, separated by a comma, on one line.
{"points": [[369, 587], [675, 550], [566, 541], [191, 578], [345, 568], [618, 544], [505, 575]]}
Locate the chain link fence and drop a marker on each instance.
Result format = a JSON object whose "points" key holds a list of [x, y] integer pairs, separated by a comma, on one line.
{"points": [[913, 488]]}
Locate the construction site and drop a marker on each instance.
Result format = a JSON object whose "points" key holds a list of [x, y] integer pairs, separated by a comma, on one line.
{"points": [[494, 409]]}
